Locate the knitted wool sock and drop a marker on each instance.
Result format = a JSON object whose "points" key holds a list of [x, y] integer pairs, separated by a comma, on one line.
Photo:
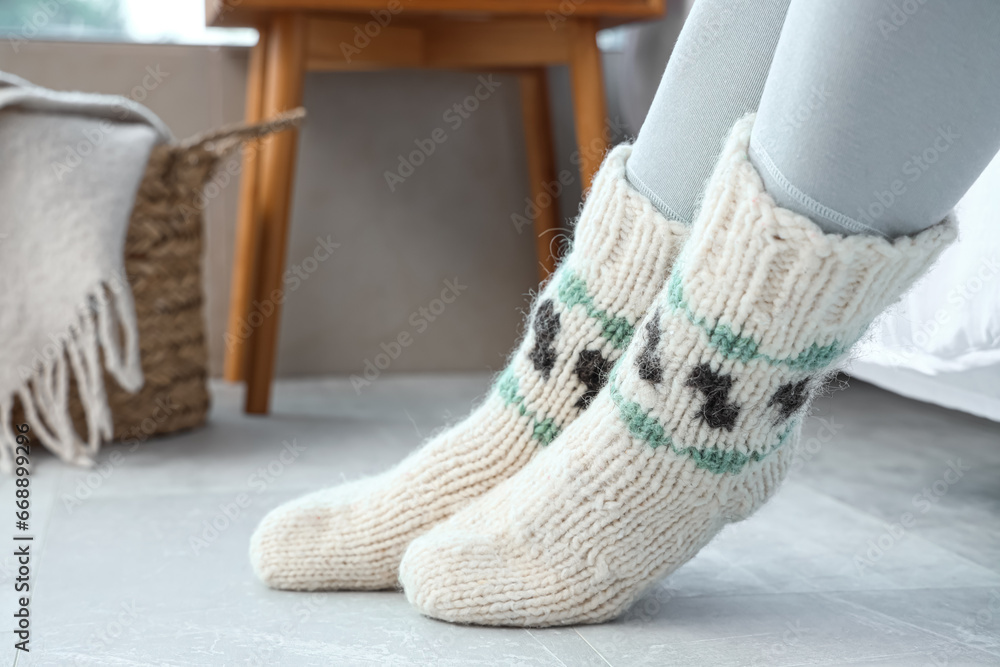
{"points": [[695, 429], [353, 536]]}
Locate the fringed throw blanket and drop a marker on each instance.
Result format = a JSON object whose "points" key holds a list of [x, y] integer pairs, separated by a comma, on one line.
{"points": [[70, 165]]}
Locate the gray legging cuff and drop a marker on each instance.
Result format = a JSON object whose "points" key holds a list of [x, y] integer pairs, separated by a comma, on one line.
{"points": [[789, 196]]}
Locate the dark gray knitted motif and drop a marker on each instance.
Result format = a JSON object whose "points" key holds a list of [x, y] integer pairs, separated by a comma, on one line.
{"points": [[648, 361], [790, 398], [716, 411], [546, 325], [592, 369]]}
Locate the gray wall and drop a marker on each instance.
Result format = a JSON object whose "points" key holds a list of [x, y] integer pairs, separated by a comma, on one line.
{"points": [[449, 220]]}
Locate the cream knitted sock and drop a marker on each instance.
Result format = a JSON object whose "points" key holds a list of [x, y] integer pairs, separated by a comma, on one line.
{"points": [[353, 536], [695, 429]]}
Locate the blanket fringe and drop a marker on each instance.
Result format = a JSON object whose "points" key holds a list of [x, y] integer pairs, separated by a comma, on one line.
{"points": [[107, 322]]}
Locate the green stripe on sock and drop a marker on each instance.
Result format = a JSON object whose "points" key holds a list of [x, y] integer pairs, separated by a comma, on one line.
{"points": [[719, 461], [744, 348], [544, 430], [573, 292]]}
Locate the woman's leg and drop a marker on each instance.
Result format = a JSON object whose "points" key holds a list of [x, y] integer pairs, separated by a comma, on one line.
{"points": [[715, 75], [697, 425], [353, 536], [878, 116]]}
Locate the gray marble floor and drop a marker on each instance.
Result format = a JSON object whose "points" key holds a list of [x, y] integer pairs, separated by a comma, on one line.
{"points": [[872, 553]]}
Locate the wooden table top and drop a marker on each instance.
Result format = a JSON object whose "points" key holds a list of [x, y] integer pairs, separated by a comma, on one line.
{"points": [[230, 13]]}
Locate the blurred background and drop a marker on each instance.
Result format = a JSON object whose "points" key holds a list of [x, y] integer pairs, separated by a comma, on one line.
{"points": [[784, 588], [452, 219]]}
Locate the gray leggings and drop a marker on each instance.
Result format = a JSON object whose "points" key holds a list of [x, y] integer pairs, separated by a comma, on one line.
{"points": [[874, 116]]}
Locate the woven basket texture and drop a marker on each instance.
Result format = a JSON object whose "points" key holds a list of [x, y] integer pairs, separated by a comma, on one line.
{"points": [[163, 262]]}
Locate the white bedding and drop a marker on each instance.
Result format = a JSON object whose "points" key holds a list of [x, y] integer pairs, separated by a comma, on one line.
{"points": [[941, 344]]}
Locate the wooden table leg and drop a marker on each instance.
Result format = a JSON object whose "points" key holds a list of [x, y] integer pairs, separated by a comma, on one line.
{"points": [[544, 185], [284, 71], [589, 106], [247, 227]]}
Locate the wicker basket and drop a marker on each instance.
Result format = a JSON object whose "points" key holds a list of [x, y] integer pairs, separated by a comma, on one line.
{"points": [[163, 263]]}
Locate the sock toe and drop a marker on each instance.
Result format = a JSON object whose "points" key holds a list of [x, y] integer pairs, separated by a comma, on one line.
{"points": [[428, 574], [453, 575], [467, 575], [312, 543]]}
